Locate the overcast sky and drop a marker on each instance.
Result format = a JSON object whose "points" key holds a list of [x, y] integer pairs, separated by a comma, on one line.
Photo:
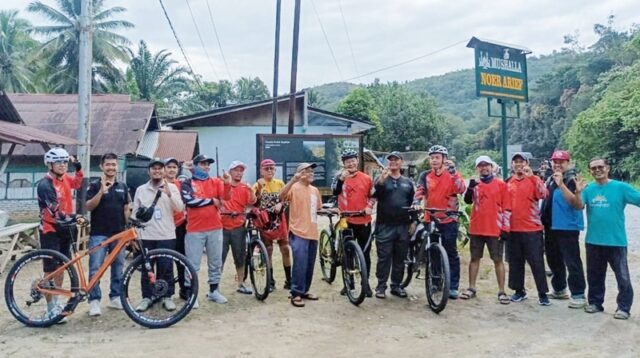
{"points": [[383, 33]]}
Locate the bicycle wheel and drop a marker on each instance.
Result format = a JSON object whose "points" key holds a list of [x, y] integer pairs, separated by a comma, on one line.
{"points": [[259, 269], [147, 291], [354, 272], [409, 265], [438, 278], [327, 253], [22, 289]]}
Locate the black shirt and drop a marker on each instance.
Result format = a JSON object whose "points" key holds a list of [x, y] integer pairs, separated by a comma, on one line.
{"points": [[108, 217], [393, 195]]}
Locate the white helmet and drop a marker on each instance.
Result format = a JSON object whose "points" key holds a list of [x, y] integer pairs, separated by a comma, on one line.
{"points": [[56, 155]]}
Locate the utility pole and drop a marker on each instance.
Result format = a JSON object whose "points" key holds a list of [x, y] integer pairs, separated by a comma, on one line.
{"points": [[294, 66], [84, 101], [276, 60]]}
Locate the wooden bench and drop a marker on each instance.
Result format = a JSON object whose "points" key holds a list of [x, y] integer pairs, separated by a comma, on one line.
{"points": [[16, 240]]}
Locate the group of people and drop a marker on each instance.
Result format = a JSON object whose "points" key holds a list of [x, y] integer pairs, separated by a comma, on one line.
{"points": [[528, 216]]}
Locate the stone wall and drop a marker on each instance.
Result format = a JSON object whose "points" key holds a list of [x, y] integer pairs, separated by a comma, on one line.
{"points": [[20, 210]]}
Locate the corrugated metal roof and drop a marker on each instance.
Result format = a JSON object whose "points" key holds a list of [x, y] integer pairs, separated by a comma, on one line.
{"points": [[181, 145], [23, 135], [147, 147]]}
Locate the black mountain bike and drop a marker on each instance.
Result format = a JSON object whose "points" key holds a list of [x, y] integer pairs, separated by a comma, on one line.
{"points": [[257, 264], [427, 259], [338, 247]]}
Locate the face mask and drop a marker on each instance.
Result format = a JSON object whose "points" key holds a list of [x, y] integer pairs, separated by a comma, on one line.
{"points": [[199, 173], [486, 179]]}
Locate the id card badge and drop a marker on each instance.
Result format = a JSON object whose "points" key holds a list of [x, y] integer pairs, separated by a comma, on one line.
{"points": [[157, 214]]}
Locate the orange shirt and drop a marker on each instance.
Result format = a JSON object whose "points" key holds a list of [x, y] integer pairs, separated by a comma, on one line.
{"points": [[442, 192], [355, 196], [304, 202], [197, 196], [491, 209], [525, 210], [240, 199]]}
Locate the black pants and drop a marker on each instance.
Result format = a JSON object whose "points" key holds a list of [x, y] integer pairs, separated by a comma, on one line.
{"points": [[449, 233], [181, 231], [598, 257], [392, 244], [163, 267], [361, 234], [526, 247], [563, 254]]}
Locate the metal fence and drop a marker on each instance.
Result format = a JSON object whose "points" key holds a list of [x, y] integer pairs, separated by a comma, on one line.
{"points": [[23, 186]]}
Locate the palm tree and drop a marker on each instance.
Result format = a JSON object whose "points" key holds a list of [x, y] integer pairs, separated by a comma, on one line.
{"points": [[250, 89], [63, 45], [16, 47]]}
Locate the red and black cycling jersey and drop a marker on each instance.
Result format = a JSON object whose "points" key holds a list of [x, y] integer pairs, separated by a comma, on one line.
{"points": [[55, 198]]}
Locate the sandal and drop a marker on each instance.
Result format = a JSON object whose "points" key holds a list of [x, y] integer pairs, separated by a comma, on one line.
{"points": [[503, 298], [310, 297], [297, 301], [468, 294]]}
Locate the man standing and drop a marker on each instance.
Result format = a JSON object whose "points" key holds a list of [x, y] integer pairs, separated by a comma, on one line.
{"points": [[394, 225], [108, 200], [203, 196], [490, 221], [159, 231], [526, 243], [439, 188], [234, 233], [606, 240], [267, 190], [354, 189], [304, 201], [171, 169], [562, 225]]}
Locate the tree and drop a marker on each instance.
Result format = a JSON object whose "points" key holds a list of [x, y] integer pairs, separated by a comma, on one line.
{"points": [[360, 104], [248, 89], [63, 45], [16, 48], [315, 99]]}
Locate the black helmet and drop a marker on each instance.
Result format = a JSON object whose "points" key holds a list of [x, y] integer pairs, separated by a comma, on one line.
{"points": [[348, 154]]}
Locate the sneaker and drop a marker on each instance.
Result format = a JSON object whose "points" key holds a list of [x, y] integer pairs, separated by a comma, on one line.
{"points": [[144, 305], [54, 312], [453, 294], [620, 314], [168, 304], [544, 301], [399, 291], [115, 303], [287, 285], [578, 302], [519, 296], [244, 289], [380, 293], [196, 305], [593, 308], [343, 292], [94, 308], [216, 297], [184, 294], [559, 295]]}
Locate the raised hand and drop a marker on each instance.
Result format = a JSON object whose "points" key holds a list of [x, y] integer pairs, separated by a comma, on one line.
{"points": [[226, 177], [528, 172], [558, 177], [581, 183]]}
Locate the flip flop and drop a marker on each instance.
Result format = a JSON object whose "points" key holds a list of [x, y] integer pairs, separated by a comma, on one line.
{"points": [[297, 301], [310, 297], [503, 298], [469, 293]]}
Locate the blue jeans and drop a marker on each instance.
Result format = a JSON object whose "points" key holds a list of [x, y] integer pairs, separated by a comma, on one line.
{"points": [[96, 260], [598, 257], [304, 258]]}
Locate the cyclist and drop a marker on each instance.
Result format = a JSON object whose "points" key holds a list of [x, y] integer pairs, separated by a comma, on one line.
{"points": [[108, 200], [490, 220], [267, 190], [526, 243], [304, 200], [55, 201], [606, 240], [394, 225], [562, 226], [354, 189], [234, 233], [439, 188], [171, 170], [159, 232], [203, 196]]}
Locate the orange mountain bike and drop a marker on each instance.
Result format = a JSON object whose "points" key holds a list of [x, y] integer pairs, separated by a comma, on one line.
{"points": [[41, 299]]}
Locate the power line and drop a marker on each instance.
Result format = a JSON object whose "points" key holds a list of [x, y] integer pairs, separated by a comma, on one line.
{"points": [[184, 53], [215, 73], [346, 30], [326, 38], [407, 61], [215, 32]]}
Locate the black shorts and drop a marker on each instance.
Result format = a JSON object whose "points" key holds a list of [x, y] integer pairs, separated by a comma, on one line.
{"points": [[55, 242], [236, 239], [494, 245]]}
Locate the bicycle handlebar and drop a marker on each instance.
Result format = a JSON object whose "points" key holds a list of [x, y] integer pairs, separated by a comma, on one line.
{"points": [[432, 211], [344, 214], [247, 214]]}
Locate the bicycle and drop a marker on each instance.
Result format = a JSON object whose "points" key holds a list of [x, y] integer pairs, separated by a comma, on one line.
{"points": [[427, 259], [338, 247], [29, 290], [257, 264]]}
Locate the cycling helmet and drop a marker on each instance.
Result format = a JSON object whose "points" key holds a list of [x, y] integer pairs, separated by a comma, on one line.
{"points": [[438, 149], [348, 154], [56, 155]]}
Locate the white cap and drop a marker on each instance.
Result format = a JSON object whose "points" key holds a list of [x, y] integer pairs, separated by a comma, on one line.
{"points": [[237, 163], [485, 159]]}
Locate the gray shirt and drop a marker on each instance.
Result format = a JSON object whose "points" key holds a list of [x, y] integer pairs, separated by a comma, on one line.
{"points": [[161, 225]]}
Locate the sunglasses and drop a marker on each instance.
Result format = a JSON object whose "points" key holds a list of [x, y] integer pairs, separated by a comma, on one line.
{"points": [[60, 162], [269, 169], [597, 167]]}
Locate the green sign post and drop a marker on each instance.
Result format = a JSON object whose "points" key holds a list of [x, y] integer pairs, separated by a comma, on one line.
{"points": [[501, 74]]}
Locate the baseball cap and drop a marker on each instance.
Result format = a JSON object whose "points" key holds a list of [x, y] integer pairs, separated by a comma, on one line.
{"points": [[267, 163], [156, 161], [520, 155], [237, 163], [394, 154], [171, 160], [484, 159], [202, 158], [303, 166], [561, 155]]}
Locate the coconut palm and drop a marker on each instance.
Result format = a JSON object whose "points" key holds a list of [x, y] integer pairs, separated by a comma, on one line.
{"points": [[16, 47]]}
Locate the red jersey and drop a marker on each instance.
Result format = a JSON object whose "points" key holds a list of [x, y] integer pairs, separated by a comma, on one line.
{"points": [[441, 192], [525, 209], [179, 217], [55, 198], [356, 196], [240, 199], [198, 196], [491, 209]]}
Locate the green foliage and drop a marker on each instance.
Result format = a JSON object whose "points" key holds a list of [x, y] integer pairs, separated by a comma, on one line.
{"points": [[248, 89], [17, 69]]}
